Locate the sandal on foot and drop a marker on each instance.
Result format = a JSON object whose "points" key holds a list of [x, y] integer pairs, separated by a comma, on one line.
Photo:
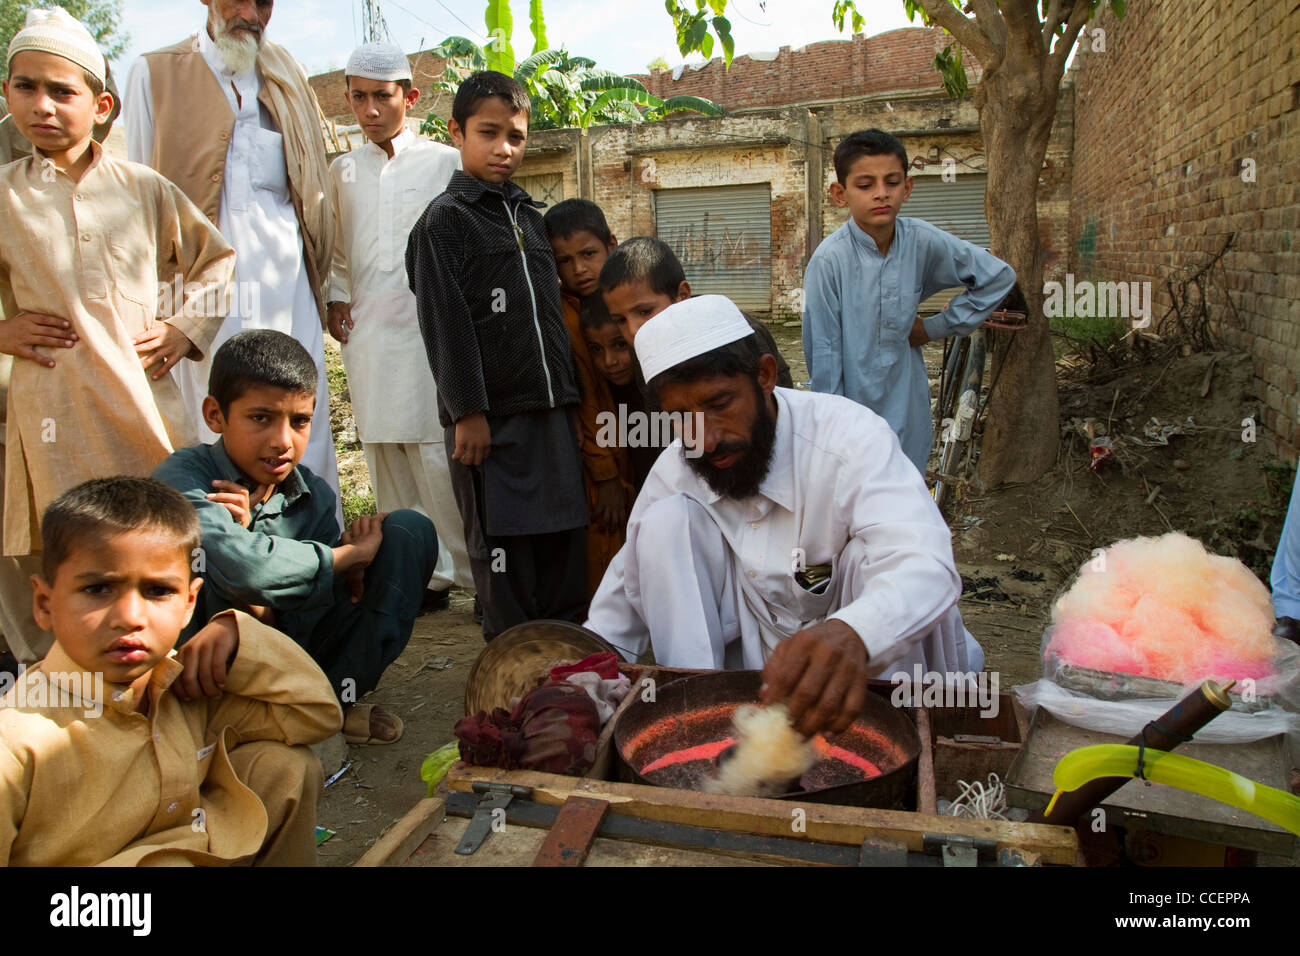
{"points": [[359, 725]]}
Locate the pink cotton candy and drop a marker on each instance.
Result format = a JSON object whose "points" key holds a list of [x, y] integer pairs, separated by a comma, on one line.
{"points": [[1164, 607]]}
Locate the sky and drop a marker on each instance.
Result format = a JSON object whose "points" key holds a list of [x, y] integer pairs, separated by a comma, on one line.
{"points": [[621, 36]]}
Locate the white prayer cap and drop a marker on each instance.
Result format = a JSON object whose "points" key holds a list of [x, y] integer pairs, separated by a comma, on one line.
{"points": [[688, 329], [54, 30], [379, 61]]}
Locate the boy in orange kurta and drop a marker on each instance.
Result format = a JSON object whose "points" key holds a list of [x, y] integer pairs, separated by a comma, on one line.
{"points": [[580, 239]]}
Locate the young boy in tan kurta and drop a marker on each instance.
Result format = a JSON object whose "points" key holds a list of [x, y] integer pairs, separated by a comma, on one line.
{"points": [[98, 249], [117, 750]]}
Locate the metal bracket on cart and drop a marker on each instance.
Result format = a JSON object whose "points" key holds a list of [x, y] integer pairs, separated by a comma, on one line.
{"points": [[496, 796]]}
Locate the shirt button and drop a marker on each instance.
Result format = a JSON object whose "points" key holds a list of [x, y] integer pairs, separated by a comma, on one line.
{"points": [[216, 177], [224, 135], [752, 574], [157, 736], [753, 525], [171, 808], [118, 695], [80, 196], [85, 237]]}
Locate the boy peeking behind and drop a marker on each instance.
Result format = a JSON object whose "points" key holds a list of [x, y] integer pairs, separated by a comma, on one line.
{"points": [[117, 750]]}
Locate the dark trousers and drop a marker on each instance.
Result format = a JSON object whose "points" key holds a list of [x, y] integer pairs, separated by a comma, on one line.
{"points": [[355, 643], [531, 577]]}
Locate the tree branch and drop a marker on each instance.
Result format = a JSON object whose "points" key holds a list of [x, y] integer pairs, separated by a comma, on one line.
{"points": [[1055, 16], [1078, 17], [965, 30]]}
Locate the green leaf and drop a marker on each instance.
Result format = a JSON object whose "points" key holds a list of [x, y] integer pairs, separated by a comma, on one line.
{"points": [[681, 104], [609, 80], [948, 62], [719, 7], [437, 764], [500, 27], [537, 24], [535, 62], [722, 27], [706, 46], [1118, 7]]}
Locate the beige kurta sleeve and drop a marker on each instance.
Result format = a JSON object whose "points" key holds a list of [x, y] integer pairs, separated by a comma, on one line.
{"points": [[190, 247], [339, 287], [14, 785], [274, 690]]}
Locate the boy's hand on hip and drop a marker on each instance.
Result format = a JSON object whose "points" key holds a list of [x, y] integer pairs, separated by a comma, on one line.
{"points": [[918, 336], [820, 674], [21, 335], [338, 318], [207, 657], [610, 513], [236, 499], [473, 439], [164, 345]]}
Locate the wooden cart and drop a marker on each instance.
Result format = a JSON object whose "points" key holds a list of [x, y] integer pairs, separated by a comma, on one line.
{"points": [[520, 818]]}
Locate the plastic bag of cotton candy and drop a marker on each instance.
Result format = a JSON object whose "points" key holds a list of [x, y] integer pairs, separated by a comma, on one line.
{"points": [[1146, 620]]}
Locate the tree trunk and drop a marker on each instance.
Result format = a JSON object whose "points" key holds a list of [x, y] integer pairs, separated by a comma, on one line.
{"points": [[1021, 433]]}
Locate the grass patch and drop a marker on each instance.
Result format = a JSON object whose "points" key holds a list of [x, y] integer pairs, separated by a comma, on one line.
{"points": [[356, 506]]}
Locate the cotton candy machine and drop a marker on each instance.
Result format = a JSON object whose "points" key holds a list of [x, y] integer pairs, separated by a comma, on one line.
{"points": [[676, 740]]}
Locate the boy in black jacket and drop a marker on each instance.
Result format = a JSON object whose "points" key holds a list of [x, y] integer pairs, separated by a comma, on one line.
{"points": [[488, 301]]}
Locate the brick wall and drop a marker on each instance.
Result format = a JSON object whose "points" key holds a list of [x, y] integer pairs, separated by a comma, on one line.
{"points": [[1163, 119], [833, 69]]}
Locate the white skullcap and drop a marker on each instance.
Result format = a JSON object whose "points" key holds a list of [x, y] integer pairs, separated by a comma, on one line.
{"points": [[379, 61], [688, 329], [54, 30]]}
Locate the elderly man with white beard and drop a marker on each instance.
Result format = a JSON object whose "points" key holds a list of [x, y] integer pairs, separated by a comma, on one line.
{"points": [[229, 117], [799, 540]]}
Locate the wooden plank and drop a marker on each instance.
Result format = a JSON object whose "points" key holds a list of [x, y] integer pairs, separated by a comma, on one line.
{"points": [[819, 822], [926, 797], [406, 834], [518, 845], [572, 833]]}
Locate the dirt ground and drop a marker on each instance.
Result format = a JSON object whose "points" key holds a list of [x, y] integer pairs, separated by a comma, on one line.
{"points": [[1015, 549]]}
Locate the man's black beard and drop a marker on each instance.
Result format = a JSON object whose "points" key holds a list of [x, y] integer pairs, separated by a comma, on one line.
{"points": [[742, 479]]}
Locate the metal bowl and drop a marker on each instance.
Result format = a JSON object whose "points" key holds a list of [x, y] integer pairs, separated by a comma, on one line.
{"points": [[696, 712]]}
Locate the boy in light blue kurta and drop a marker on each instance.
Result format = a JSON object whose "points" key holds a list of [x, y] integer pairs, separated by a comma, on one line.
{"points": [[861, 334]]}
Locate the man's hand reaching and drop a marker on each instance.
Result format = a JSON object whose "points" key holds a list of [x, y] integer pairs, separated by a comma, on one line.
{"points": [[820, 674]]}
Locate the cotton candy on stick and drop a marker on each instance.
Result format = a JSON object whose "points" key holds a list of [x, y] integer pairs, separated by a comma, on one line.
{"points": [[768, 755], [1166, 608]]}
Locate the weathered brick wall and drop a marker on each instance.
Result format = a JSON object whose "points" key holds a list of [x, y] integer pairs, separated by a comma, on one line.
{"points": [[1163, 121], [833, 69]]}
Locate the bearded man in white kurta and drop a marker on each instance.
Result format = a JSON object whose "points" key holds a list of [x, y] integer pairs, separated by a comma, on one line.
{"points": [[377, 192], [724, 549], [230, 118]]}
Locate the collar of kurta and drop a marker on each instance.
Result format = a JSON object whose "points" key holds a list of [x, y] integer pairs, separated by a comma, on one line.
{"points": [[778, 485], [120, 698], [465, 187], [286, 493], [400, 142], [96, 157], [860, 236]]}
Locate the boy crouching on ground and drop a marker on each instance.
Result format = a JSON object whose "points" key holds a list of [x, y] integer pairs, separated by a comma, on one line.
{"points": [[271, 543], [114, 750]]}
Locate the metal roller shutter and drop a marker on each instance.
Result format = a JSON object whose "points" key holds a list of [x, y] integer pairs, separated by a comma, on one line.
{"points": [[723, 236], [956, 207]]}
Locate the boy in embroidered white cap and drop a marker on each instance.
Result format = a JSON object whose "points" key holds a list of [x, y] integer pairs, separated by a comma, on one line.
{"points": [[796, 537], [80, 277], [378, 191]]}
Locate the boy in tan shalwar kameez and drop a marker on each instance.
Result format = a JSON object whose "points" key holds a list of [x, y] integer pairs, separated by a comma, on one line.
{"points": [[80, 279], [117, 750]]}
